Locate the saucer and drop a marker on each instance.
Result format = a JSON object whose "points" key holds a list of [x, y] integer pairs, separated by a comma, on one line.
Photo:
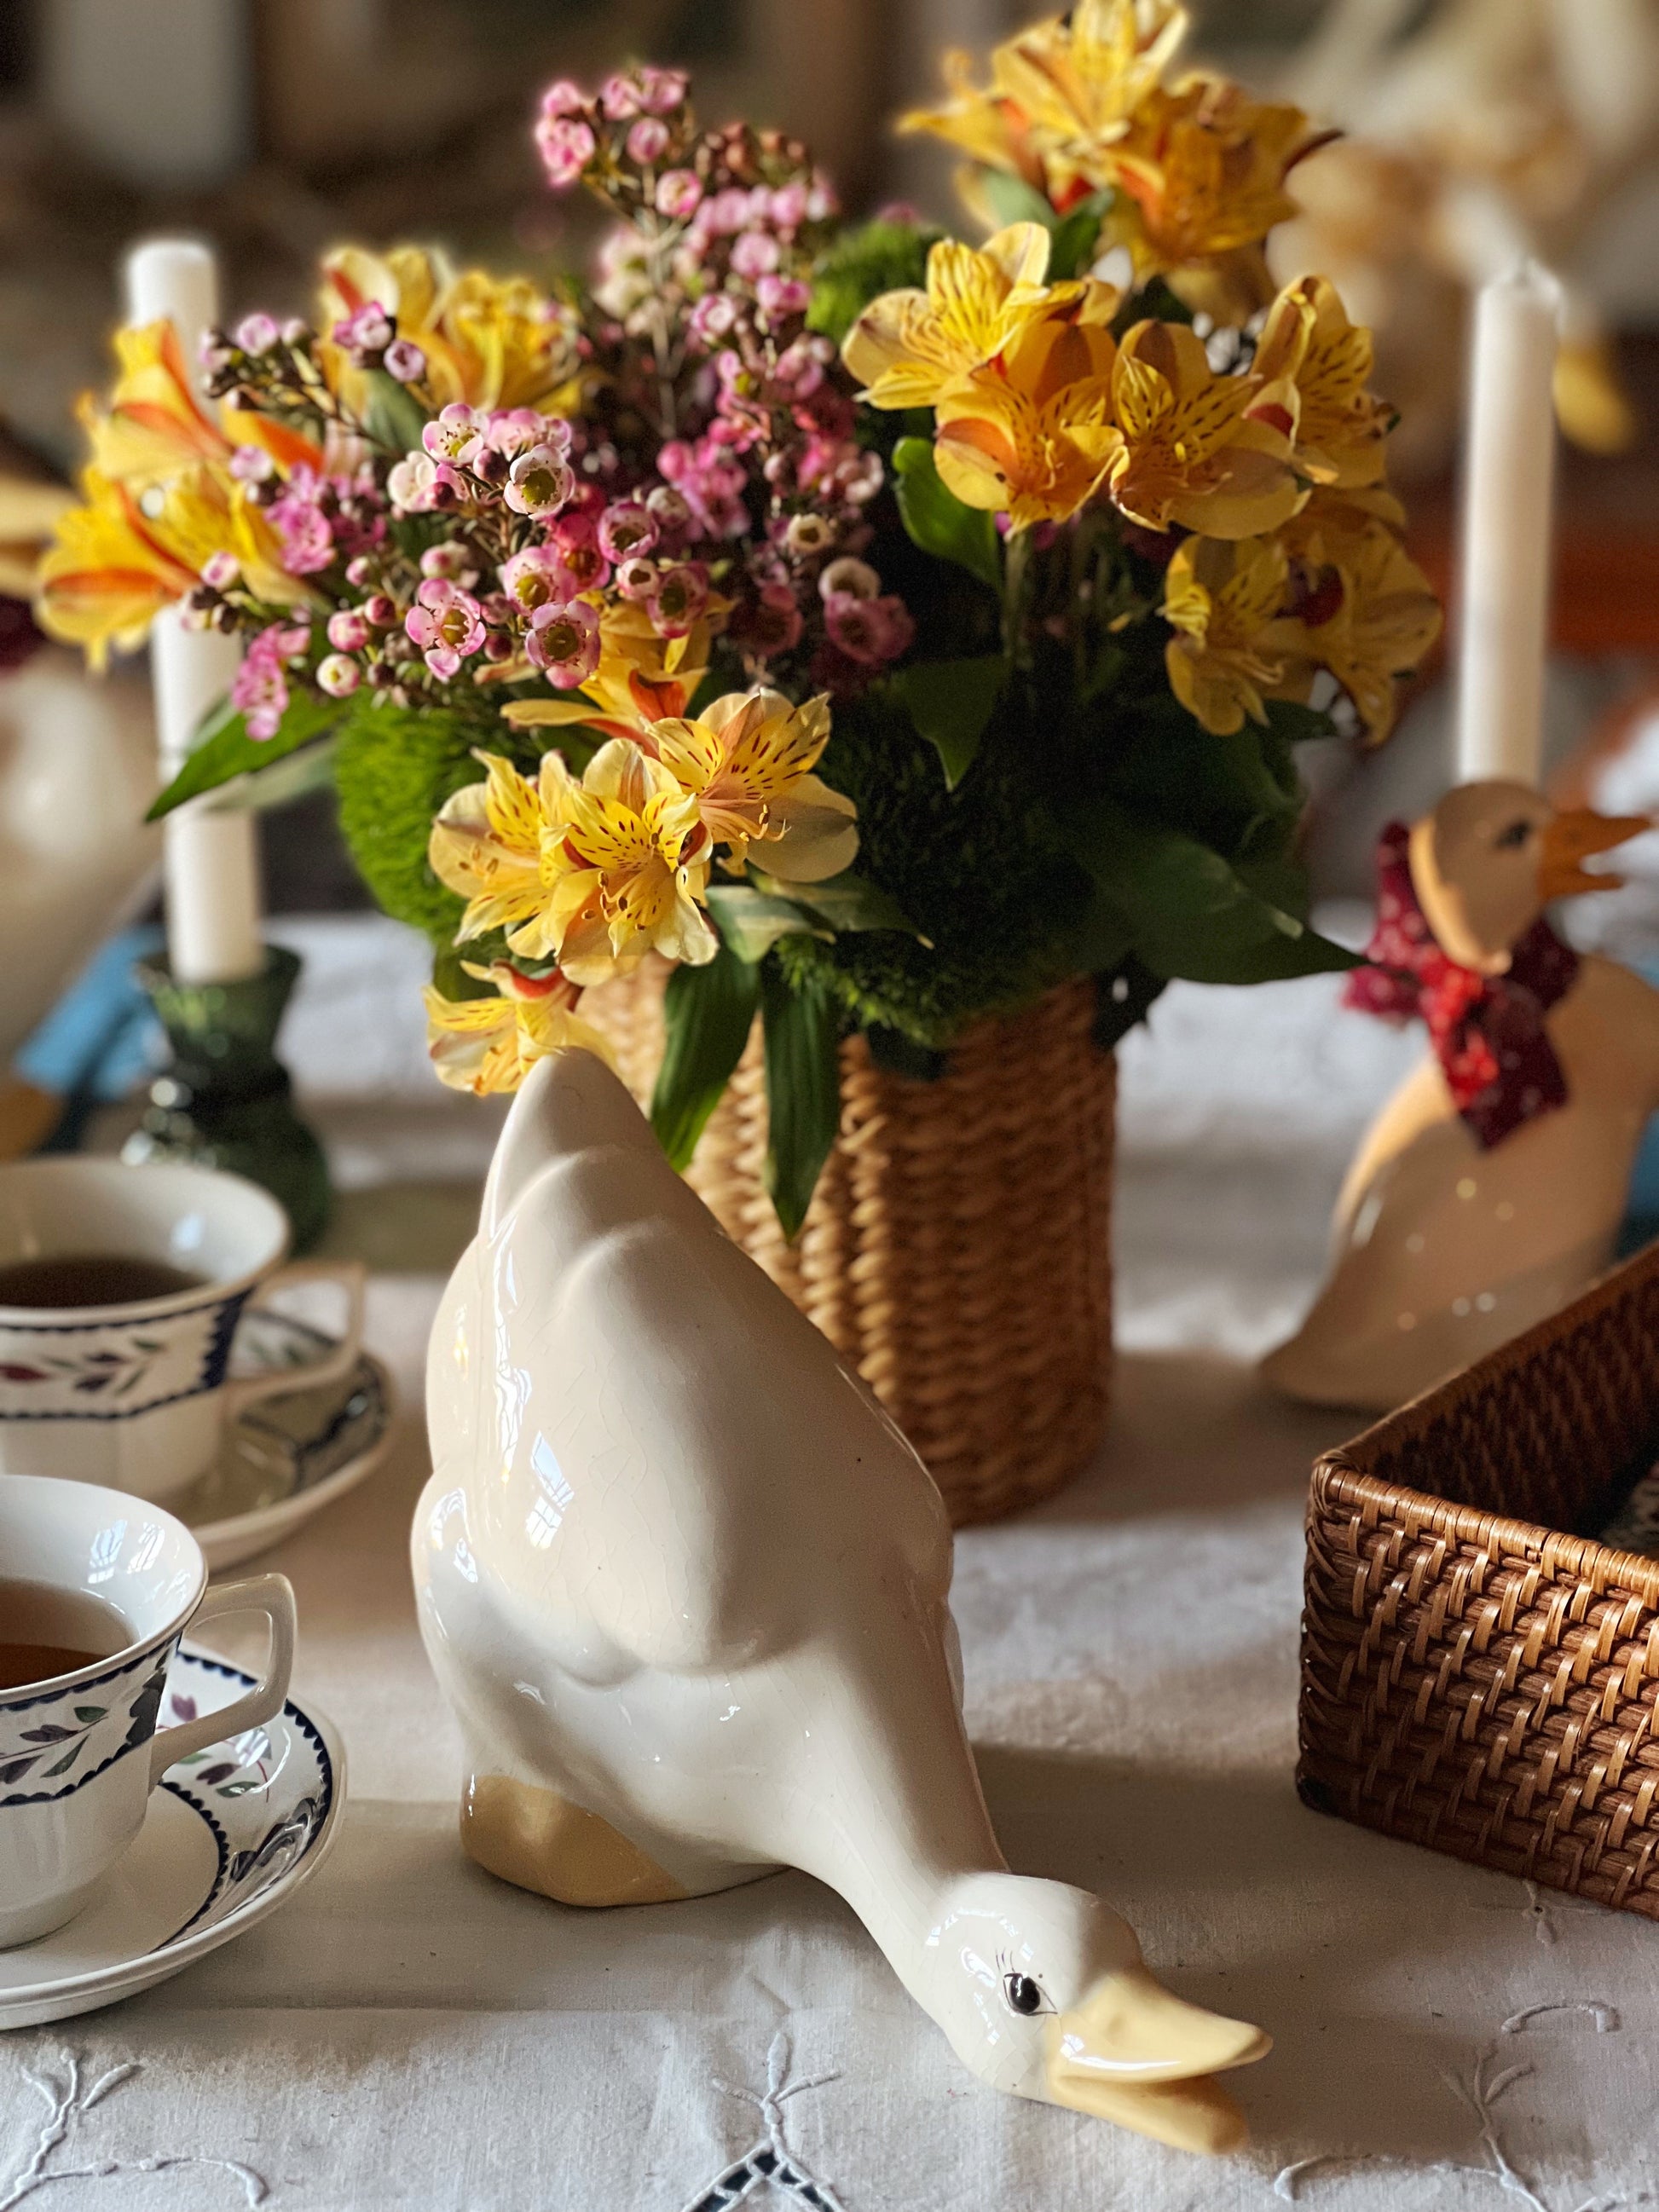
{"points": [[230, 1834], [287, 1457]]}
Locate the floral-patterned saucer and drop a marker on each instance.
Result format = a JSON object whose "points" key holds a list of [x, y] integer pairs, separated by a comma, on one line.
{"points": [[231, 1833], [288, 1456]]}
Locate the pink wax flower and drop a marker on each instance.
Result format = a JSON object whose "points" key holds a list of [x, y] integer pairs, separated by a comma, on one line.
{"points": [[347, 629], [379, 610], [849, 579], [305, 529], [404, 361], [539, 483], [567, 148], [669, 508], [870, 631], [222, 570], [787, 206], [454, 430], [257, 333], [647, 140], [258, 690], [728, 211], [780, 297], [447, 624], [661, 90], [678, 192], [251, 464], [755, 253], [513, 430], [680, 598], [451, 559], [628, 526], [537, 577], [619, 97], [576, 535], [366, 333], [564, 641], [637, 578], [338, 676], [712, 317], [710, 482], [562, 98], [773, 622]]}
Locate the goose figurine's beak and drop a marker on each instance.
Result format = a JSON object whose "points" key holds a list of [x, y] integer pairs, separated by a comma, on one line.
{"points": [[1570, 839], [1133, 2053]]}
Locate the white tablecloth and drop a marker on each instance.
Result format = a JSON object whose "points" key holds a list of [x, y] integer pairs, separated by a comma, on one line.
{"points": [[410, 2034]]}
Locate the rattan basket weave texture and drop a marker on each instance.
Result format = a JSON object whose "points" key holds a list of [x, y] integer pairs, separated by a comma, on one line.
{"points": [[1474, 1677], [955, 1251]]}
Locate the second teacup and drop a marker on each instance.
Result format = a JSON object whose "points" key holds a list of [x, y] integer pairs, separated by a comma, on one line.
{"points": [[120, 1290]]}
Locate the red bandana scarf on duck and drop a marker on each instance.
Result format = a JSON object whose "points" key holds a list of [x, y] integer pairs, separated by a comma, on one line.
{"points": [[1487, 1031]]}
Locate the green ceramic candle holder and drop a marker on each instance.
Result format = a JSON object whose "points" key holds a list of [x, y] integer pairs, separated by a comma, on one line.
{"points": [[225, 1100]]}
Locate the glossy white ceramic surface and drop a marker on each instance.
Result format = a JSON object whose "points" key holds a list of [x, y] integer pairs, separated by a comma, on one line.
{"points": [[76, 1757], [135, 1395], [686, 1587], [1441, 1250]]}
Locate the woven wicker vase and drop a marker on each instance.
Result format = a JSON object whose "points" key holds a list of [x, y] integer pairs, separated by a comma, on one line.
{"points": [[955, 1252]]}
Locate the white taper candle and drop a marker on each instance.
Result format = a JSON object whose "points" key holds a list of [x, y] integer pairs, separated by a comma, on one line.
{"points": [[211, 860], [1508, 487]]}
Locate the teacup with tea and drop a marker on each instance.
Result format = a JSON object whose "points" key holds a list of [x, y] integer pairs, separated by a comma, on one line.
{"points": [[120, 1290], [97, 1590]]}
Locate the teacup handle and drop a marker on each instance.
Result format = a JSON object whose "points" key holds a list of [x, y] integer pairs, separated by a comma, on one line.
{"points": [[245, 1391], [273, 1596]]}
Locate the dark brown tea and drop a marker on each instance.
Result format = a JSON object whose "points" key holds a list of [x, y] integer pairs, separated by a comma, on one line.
{"points": [[46, 1631], [91, 1279]]}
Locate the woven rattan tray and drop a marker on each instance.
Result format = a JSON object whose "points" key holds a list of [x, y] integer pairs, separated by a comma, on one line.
{"points": [[1478, 1674]]}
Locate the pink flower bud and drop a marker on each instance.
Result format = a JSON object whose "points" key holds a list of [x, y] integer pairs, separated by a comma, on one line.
{"points": [[567, 148], [257, 333], [678, 192], [647, 140], [348, 631], [338, 676]]}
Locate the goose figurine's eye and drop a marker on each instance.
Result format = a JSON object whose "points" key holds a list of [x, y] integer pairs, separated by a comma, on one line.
{"points": [[1516, 835], [1022, 1995]]}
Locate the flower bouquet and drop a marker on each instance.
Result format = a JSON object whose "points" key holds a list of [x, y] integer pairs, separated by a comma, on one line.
{"points": [[836, 662]]}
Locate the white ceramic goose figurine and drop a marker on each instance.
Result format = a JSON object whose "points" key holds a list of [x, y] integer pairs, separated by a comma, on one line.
{"points": [[1490, 1188], [686, 1586]]}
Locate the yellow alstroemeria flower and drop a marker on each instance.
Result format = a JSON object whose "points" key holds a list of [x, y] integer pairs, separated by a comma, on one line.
{"points": [[1333, 523], [636, 859], [496, 843], [746, 760], [492, 342], [1212, 453], [1031, 435], [1340, 427], [118, 557], [1385, 620], [152, 429], [1224, 598], [108, 573], [907, 346], [490, 1045], [640, 676], [1203, 166], [1061, 93]]}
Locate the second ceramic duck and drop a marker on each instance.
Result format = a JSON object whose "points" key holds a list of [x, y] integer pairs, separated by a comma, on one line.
{"points": [[686, 1587], [1490, 1188]]}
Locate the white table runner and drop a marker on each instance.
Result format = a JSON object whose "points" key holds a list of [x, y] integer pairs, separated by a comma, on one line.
{"points": [[413, 2034]]}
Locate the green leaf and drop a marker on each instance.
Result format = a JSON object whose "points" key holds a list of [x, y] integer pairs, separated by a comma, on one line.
{"points": [[803, 1091], [1076, 236], [223, 748], [308, 768], [707, 1013], [1290, 720], [393, 417], [937, 519], [1011, 199], [752, 920], [1191, 913], [848, 900], [952, 703]]}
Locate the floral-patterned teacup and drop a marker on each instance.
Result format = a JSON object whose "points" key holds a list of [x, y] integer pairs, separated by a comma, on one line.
{"points": [[135, 1393], [80, 1752]]}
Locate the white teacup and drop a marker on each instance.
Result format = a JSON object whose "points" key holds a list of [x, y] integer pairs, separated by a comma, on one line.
{"points": [[80, 1752], [135, 1394]]}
